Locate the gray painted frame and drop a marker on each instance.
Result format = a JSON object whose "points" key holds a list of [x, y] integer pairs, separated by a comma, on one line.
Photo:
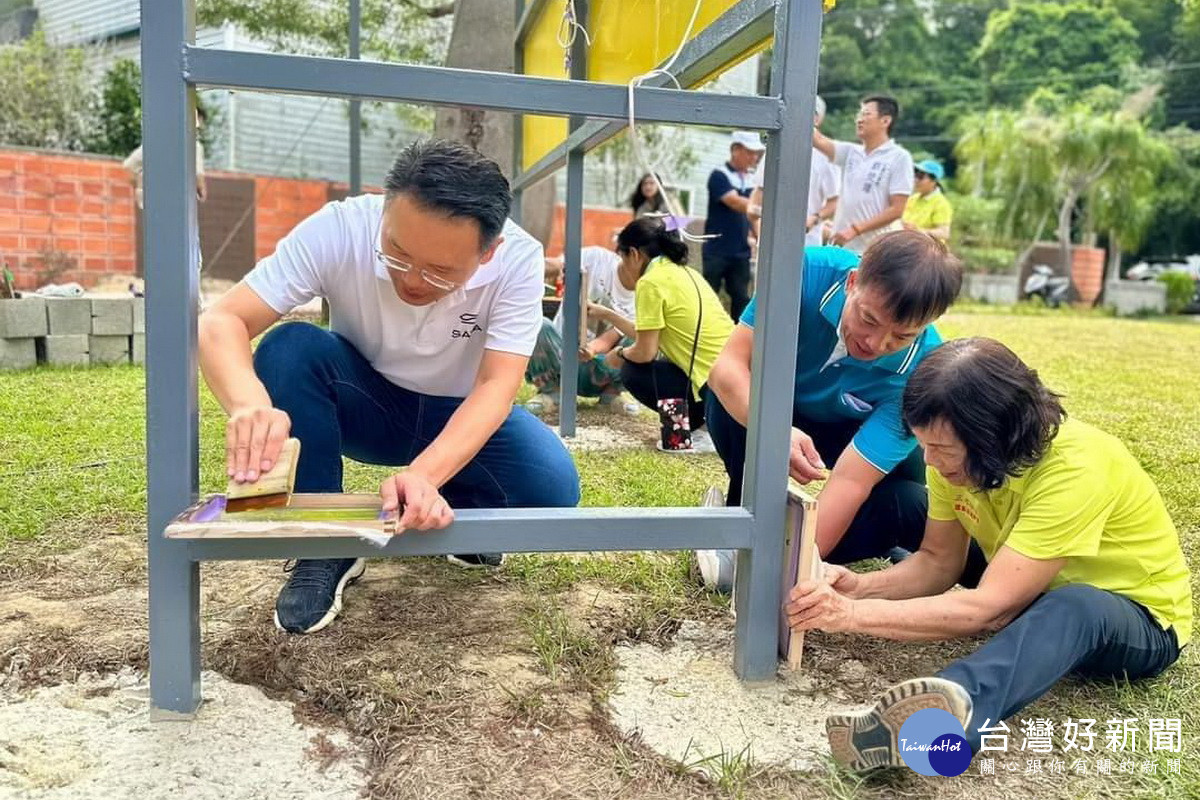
{"points": [[173, 66]]}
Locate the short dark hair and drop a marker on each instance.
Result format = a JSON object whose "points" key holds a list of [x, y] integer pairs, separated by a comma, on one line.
{"points": [[650, 236], [918, 277], [452, 179], [887, 105], [997, 406]]}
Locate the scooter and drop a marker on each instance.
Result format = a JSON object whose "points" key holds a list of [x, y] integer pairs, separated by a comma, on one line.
{"points": [[1051, 288]]}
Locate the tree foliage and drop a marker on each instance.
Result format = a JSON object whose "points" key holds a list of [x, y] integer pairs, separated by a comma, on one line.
{"points": [[118, 125], [47, 100]]}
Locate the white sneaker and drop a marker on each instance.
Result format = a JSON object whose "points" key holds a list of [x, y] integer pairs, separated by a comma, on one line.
{"points": [[718, 569], [702, 442], [620, 404], [542, 404]]}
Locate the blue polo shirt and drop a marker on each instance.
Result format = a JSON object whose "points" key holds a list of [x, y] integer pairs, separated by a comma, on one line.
{"points": [[848, 389]]}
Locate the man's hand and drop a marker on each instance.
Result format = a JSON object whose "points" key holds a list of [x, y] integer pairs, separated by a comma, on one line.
{"points": [[842, 237], [814, 605], [908, 226], [424, 507], [841, 580], [598, 313], [253, 438], [804, 462], [587, 352], [812, 220]]}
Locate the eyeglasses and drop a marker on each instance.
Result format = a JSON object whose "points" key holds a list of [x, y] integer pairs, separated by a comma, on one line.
{"points": [[391, 262]]}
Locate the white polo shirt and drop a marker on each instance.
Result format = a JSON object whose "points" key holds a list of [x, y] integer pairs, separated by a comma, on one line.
{"points": [[434, 349], [868, 182], [604, 288], [824, 182]]}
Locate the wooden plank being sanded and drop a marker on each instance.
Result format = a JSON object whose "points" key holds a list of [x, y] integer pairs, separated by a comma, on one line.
{"points": [[801, 562], [345, 515]]}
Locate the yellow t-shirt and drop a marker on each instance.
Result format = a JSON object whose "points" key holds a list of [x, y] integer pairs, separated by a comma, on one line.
{"points": [[1089, 501], [668, 298], [928, 211]]}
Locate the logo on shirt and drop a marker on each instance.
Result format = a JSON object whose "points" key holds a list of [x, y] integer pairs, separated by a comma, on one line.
{"points": [[469, 326], [967, 510]]}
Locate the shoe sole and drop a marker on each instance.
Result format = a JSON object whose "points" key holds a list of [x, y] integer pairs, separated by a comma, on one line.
{"points": [[468, 565], [868, 739], [352, 574]]}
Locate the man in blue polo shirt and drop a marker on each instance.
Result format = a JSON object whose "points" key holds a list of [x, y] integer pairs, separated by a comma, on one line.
{"points": [[864, 327]]}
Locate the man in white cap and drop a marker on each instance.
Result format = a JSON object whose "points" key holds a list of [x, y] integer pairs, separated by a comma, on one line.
{"points": [[727, 254], [824, 185]]}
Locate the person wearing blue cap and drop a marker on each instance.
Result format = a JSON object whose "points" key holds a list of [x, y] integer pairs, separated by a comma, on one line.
{"points": [[928, 210]]}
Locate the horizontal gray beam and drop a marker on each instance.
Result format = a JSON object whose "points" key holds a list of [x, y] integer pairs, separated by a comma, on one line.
{"points": [[531, 530], [737, 30], [529, 18], [499, 91]]}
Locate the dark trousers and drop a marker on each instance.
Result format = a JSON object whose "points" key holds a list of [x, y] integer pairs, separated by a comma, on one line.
{"points": [[892, 516], [658, 379], [340, 405], [734, 272], [1073, 629]]}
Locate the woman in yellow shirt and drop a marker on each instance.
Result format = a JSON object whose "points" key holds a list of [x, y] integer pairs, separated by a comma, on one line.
{"points": [[1084, 572], [927, 209], [680, 326]]}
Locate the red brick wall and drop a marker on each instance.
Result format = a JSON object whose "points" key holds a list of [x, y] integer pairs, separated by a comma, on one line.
{"points": [[599, 225], [74, 214]]}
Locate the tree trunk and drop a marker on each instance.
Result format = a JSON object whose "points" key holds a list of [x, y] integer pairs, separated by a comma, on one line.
{"points": [[482, 39], [1064, 232], [1112, 272]]}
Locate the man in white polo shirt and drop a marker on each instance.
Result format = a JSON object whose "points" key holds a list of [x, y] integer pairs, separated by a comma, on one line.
{"points": [[435, 306], [877, 176]]}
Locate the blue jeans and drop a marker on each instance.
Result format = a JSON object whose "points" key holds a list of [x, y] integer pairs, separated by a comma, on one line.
{"points": [[340, 405], [892, 516], [1073, 629]]}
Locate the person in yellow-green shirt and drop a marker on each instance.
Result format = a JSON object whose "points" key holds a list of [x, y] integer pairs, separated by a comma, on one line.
{"points": [[1084, 571], [680, 325], [927, 209]]}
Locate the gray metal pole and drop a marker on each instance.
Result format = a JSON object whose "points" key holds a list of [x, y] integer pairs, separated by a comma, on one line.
{"points": [[794, 81], [518, 120], [573, 247], [172, 297], [355, 105]]}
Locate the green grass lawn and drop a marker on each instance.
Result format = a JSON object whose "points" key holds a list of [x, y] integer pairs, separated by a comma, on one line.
{"points": [[72, 465]]}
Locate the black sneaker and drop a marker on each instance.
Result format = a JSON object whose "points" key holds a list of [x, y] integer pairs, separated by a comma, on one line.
{"points": [[477, 560], [868, 739], [312, 597]]}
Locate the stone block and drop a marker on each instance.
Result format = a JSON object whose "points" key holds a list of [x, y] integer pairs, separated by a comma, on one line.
{"points": [[112, 316], [109, 349], [69, 316], [139, 315], [24, 318], [1001, 290], [137, 348], [18, 353], [68, 350], [1134, 297]]}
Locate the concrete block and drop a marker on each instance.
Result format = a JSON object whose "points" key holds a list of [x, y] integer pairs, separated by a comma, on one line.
{"points": [[68, 350], [23, 319], [69, 316], [109, 349], [1132, 297], [137, 348], [139, 315], [1001, 290], [112, 316], [18, 353]]}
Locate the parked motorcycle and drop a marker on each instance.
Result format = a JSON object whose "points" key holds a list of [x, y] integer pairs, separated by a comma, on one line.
{"points": [[1051, 288]]}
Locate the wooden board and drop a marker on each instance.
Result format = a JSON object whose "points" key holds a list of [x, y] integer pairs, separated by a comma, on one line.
{"points": [[346, 515], [801, 562]]}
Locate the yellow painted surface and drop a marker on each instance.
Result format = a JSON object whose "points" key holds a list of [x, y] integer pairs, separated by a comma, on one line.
{"points": [[628, 38]]}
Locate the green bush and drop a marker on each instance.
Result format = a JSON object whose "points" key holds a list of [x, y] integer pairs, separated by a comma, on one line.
{"points": [[988, 260], [975, 218], [1181, 287]]}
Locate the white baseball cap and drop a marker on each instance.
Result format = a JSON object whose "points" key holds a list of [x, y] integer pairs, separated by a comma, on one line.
{"points": [[749, 140]]}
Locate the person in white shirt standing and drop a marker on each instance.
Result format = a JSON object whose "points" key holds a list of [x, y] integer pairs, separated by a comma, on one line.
{"points": [[877, 176], [435, 306], [824, 185]]}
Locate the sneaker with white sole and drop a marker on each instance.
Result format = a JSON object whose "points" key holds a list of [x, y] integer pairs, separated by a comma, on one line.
{"points": [[717, 567], [542, 404], [867, 740], [621, 404], [312, 596], [477, 560]]}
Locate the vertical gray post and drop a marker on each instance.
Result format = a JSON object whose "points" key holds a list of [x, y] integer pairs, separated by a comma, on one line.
{"points": [[172, 297], [355, 105], [780, 270], [573, 247], [518, 120]]}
